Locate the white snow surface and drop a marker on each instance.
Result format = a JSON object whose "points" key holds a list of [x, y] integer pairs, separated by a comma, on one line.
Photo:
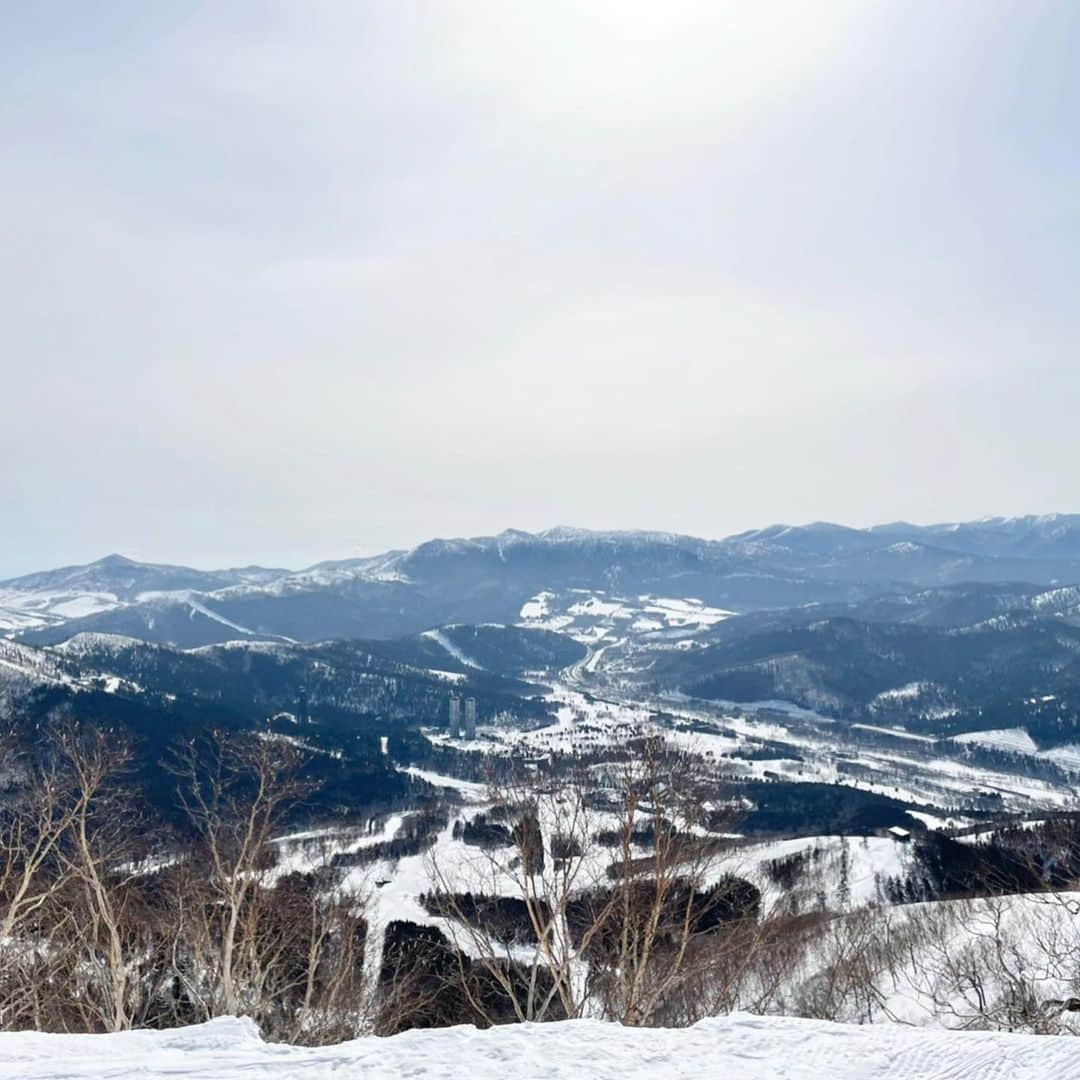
{"points": [[587, 615], [23, 609], [1068, 757], [441, 639], [902, 693], [895, 732], [737, 1047], [1015, 739]]}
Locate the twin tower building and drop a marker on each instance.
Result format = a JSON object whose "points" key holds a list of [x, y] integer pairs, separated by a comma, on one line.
{"points": [[462, 722]]}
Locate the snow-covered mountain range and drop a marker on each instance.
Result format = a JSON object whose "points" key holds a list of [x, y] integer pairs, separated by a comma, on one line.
{"points": [[490, 578]]}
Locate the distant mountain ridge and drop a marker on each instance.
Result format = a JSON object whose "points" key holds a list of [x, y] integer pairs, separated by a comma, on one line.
{"points": [[125, 578], [482, 579]]}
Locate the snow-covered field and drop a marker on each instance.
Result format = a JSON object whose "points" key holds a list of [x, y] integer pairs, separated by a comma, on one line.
{"points": [[808, 748], [1016, 740], [849, 871], [590, 616], [27, 610], [737, 1047]]}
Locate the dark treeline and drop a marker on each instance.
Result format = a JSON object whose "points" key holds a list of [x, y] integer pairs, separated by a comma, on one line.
{"points": [[1012, 859]]}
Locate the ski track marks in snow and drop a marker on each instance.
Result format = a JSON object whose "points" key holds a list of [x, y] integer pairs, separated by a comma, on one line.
{"points": [[740, 1047]]}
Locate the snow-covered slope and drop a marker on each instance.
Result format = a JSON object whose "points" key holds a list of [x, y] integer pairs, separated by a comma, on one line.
{"points": [[738, 1047]]}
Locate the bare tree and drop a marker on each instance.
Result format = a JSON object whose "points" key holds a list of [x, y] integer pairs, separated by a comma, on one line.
{"points": [[286, 950], [36, 810], [616, 880], [98, 840], [996, 963], [330, 1002], [674, 917], [853, 952], [537, 967], [39, 806], [76, 955]]}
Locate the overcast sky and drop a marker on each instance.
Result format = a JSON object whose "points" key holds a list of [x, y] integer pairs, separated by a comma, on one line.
{"points": [[290, 281]]}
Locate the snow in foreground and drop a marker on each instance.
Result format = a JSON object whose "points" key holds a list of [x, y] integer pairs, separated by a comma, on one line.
{"points": [[736, 1047]]}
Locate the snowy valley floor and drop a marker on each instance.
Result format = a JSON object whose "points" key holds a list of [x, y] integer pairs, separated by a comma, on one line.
{"points": [[739, 1047]]}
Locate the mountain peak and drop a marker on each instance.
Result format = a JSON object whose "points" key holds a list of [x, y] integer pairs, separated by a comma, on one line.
{"points": [[115, 559]]}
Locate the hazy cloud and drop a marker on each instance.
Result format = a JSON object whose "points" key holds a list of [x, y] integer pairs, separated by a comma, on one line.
{"points": [[285, 282]]}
